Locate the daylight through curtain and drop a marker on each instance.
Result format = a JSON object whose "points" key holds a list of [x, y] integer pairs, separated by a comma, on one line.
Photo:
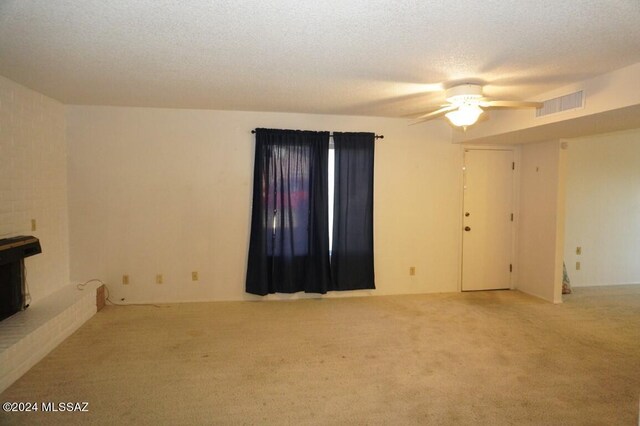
{"points": [[289, 243]]}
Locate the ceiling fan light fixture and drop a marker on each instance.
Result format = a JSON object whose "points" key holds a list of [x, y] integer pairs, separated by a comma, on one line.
{"points": [[466, 103], [465, 115], [464, 93]]}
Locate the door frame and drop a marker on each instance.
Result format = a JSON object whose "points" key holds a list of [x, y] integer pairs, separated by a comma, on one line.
{"points": [[516, 207]]}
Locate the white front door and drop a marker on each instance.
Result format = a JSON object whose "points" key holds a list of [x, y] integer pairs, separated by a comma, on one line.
{"points": [[487, 219]]}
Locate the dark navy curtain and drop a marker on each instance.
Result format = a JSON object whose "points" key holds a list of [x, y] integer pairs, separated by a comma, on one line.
{"points": [[352, 251], [289, 245]]}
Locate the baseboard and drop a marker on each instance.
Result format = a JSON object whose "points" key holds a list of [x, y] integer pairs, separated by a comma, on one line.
{"points": [[602, 285]]}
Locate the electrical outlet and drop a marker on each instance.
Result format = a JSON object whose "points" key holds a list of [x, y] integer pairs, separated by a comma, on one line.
{"points": [[125, 279], [412, 270], [159, 279], [577, 266], [33, 224], [194, 276], [578, 250]]}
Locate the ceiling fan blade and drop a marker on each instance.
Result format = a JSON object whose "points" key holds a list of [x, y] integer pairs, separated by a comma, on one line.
{"points": [[434, 114], [510, 104]]}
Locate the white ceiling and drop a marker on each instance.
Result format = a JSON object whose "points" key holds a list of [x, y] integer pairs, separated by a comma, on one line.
{"points": [[360, 57]]}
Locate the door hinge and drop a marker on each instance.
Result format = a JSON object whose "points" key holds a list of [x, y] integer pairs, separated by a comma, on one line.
{"points": [[510, 267], [511, 217], [513, 165]]}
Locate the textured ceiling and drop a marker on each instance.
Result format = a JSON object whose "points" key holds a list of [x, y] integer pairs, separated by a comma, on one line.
{"points": [[361, 57]]}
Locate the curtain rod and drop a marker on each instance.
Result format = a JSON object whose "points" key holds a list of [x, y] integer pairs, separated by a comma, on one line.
{"points": [[331, 135]]}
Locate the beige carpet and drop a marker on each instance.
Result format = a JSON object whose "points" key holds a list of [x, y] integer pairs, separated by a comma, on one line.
{"points": [[486, 358]]}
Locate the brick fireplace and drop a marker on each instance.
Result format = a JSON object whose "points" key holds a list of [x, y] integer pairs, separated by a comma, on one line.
{"points": [[14, 296]]}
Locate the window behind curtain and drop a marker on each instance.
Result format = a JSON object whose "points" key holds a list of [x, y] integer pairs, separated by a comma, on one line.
{"points": [[289, 245], [286, 198]]}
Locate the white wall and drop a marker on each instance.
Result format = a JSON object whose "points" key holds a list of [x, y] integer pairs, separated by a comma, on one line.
{"points": [[33, 182], [603, 209], [169, 191], [541, 222]]}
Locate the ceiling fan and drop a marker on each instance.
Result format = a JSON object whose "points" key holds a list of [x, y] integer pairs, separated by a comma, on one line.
{"points": [[466, 103]]}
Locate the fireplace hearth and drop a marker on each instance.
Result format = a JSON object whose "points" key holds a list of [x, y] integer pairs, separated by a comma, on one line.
{"points": [[13, 294]]}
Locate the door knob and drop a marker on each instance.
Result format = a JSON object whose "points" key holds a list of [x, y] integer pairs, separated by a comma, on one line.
{"points": [[467, 228], [467, 214]]}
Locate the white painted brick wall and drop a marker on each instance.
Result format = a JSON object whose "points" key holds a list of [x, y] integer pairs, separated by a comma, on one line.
{"points": [[33, 185], [33, 182]]}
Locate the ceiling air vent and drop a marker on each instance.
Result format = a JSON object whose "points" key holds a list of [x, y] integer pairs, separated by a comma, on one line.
{"points": [[562, 103]]}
